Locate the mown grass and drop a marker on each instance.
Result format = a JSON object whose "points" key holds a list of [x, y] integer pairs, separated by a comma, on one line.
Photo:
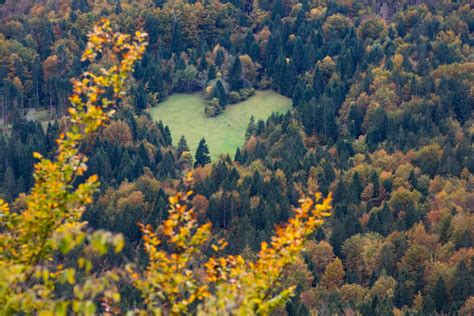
{"points": [[184, 114]]}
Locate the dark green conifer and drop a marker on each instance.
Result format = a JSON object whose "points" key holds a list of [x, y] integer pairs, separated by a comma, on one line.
{"points": [[235, 76], [440, 296], [219, 93], [212, 73], [182, 146], [251, 128], [298, 56], [202, 154], [219, 58]]}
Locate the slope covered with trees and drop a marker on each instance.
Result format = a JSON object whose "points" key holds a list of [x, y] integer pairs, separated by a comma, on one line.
{"points": [[382, 117]]}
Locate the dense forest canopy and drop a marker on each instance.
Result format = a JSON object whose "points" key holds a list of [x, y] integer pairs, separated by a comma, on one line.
{"points": [[382, 116]]}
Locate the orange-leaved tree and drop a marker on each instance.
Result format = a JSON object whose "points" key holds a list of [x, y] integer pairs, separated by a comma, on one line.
{"points": [[50, 223]]}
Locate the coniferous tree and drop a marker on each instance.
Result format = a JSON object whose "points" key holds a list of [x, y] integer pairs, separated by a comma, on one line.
{"points": [[82, 5], [182, 146], [463, 286], [440, 296], [235, 76], [329, 127], [202, 154], [319, 82], [211, 73], [308, 94], [377, 131], [297, 97], [219, 93], [153, 77], [298, 56], [167, 167], [140, 98], [238, 155], [166, 133], [428, 305], [9, 184], [356, 118], [251, 128], [177, 38], [403, 291], [288, 78], [118, 8], [278, 10], [250, 47], [203, 63], [219, 58]]}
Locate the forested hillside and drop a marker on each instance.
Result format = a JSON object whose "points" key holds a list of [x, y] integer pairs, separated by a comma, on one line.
{"points": [[382, 117]]}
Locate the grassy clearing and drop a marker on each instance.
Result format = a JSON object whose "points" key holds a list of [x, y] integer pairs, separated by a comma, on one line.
{"points": [[41, 115], [184, 114]]}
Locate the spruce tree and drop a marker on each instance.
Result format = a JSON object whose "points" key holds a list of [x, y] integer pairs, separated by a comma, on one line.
{"points": [[219, 93], [319, 82], [428, 305], [82, 5], [356, 185], [250, 46], [219, 58], [288, 79], [298, 56], [440, 295], [203, 65], [140, 97], [177, 38], [403, 295], [153, 77], [328, 113], [251, 128], [167, 140], [238, 156], [182, 145], [308, 93], [297, 97], [235, 76], [278, 11], [9, 183], [211, 73], [356, 118], [118, 8], [167, 167], [463, 286], [202, 154]]}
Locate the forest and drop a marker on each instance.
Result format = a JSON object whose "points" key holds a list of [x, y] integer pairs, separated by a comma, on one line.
{"points": [[381, 120]]}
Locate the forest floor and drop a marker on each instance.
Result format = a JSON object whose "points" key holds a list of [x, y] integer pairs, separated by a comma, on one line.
{"points": [[184, 115]]}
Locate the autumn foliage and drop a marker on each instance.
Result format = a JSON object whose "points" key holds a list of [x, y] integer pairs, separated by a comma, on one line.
{"points": [[50, 225], [46, 251]]}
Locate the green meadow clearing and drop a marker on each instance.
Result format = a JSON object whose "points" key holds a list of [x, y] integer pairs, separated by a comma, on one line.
{"points": [[40, 115], [184, 115]]}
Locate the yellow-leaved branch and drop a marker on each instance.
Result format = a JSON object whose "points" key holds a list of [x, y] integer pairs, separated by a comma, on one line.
{"points": [[51, 220], [180, 276]]}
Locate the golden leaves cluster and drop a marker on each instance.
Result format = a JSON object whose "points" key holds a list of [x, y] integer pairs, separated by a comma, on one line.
{"points": [[254, 287], [50, 223], [179, 277], [170, 284]]}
